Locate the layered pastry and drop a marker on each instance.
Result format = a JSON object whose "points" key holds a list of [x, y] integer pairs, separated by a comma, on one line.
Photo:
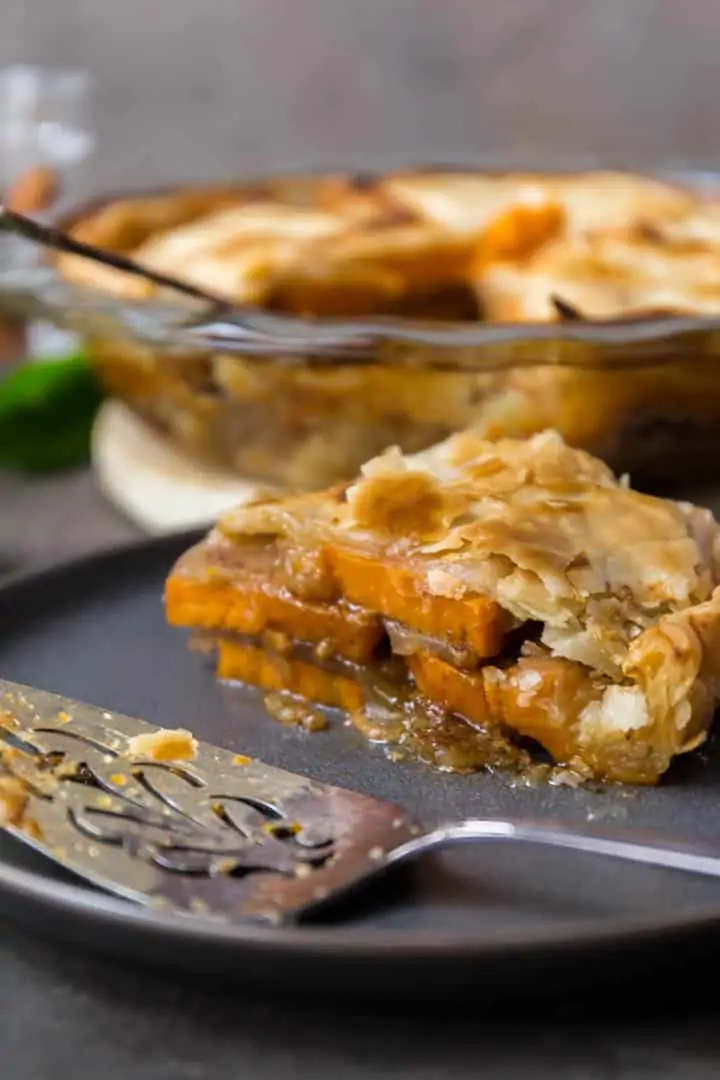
{"points": [[356, 248], [436, 245], [478, 603], [604, 277], [348, 245]]}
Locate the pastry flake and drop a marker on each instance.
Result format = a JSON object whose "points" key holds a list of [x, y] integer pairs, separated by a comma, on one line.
{"points": [[166, 744]]}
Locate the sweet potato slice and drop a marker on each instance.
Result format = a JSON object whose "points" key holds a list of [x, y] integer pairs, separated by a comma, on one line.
{"points": [[520, 231], [538, 697], [258, 667], [458, 691], [249, 597], [397, 590], [542, 698]]}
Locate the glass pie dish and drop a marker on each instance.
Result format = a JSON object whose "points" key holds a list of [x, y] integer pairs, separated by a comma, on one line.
{"points": [[399, 308]]}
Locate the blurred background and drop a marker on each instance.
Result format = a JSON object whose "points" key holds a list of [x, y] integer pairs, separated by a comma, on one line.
{"points": [[194, 90], [201, 88]]}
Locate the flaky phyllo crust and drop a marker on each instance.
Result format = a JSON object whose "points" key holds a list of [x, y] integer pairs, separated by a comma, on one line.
{"points": [[607, 596], [423, 242]]}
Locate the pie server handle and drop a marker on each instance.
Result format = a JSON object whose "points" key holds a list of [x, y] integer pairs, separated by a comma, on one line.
{"points": [[650, 851]]}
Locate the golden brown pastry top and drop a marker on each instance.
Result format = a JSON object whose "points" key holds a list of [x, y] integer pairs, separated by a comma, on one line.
{"points": [[601, 201], [614, 242], [546, 530], [606, 276]]}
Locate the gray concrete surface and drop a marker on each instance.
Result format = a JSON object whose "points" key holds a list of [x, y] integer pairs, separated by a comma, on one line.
{"points": [[203, 87]]}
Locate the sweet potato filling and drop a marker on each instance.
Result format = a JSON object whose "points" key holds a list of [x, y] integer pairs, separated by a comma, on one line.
{"points": [[250, 597], [457, 666], [538, 697], [521, 230], [380, 698], [456, 717], [397, 591], [270, 671]]}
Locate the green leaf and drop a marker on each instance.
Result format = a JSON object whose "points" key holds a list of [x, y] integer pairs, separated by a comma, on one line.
{"points": [[46, 415]]}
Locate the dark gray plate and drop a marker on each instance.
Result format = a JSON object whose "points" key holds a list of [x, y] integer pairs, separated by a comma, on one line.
{"points": [[487, 921]]}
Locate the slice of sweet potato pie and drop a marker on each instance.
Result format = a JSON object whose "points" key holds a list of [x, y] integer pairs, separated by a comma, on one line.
{"points": [[483, 604]]}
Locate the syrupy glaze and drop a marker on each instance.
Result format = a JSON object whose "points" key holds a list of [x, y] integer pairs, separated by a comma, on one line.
{"points": [[395, 715], [292, 711]]}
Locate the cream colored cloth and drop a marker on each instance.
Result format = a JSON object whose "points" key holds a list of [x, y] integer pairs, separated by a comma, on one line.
{"points": [[159, 488]]}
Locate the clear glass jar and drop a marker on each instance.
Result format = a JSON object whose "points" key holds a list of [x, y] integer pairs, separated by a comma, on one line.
{"points": [[46, 139]]}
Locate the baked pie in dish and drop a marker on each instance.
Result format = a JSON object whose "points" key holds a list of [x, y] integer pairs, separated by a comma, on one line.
{"points": [[551, 255], [350, 246], [472, 603]]}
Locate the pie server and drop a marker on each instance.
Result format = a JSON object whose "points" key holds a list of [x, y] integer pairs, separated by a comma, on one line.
{"points": [[222, 836]]}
